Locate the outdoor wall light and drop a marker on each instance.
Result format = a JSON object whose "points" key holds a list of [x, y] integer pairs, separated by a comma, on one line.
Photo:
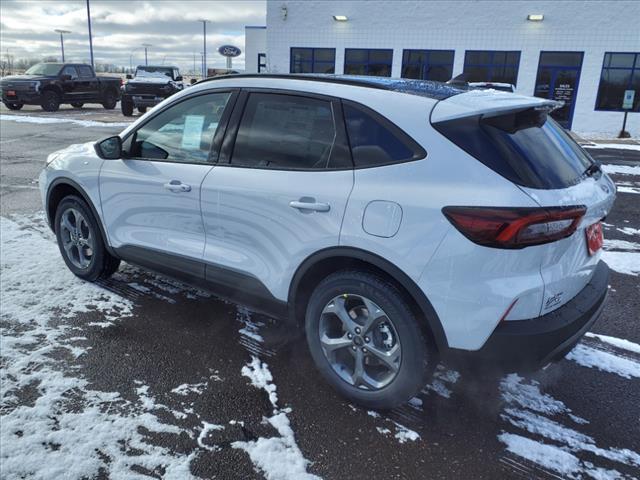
{"points": [[340, 18], [535, 17]]}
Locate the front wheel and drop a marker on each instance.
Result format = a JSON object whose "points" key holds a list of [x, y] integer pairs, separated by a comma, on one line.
{"points": [[77, 105], [365, 339], [80, 241], [126, 105], [110, 100], [50, 101], [142, 109], [13, 106]]}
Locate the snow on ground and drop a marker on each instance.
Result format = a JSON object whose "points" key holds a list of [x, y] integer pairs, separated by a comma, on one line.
{"points": [[276, 457], [627, 263], [616, 342], [591, 357], [443, 379], [621, 169], [49, 120], [554, 428], [616, 146]]}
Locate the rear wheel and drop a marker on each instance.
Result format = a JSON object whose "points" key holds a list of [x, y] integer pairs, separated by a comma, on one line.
{"points": [[142, 109], [13, 106], [50, 101], [110, 100], [80, 241], [126, 105], [77, 104], [365, 339]]}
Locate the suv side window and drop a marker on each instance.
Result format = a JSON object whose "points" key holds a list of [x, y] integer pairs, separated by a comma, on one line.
{"points": [[288, 132], [85, 71], [376, 141], [182, 133], [71, 71]]}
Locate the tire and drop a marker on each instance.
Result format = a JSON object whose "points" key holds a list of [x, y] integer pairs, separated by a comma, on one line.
{"points": [[50, 101], [77, 104], [110, 100], [13, 106], [142, 109], [395, 332], [99, 263], [126, 105]]}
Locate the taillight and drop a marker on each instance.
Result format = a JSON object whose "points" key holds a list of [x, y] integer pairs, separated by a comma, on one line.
{"points": [[500, 227]]}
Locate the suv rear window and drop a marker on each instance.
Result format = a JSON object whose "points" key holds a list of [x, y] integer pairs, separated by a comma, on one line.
{"points": [[376, 141], [527, 147]]}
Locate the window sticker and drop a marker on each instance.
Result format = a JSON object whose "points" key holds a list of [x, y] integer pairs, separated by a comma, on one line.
{"points": [[192, 133]]}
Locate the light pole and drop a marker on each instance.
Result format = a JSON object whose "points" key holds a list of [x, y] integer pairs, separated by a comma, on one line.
{"points": [[204, 50], [61, 32], [146, 45], [90, 39], [131, 59]]}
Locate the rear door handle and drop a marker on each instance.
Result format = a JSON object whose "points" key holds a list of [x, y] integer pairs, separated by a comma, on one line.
{"points": [[304, 204], [177, 186]]}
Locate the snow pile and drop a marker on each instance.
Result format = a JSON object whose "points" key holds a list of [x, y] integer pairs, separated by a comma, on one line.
{"points": [[250, 328], [627, 263], [49, 120], [616, 342], [443, 379], [67, 429], [278, 458], [621, 169], [550, 420]]}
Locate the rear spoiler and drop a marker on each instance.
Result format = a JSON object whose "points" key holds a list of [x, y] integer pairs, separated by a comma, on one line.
{"points": [[488, 103]]}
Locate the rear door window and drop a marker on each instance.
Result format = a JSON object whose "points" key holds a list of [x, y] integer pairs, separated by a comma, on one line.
{"points": [[289, 132], [85, 71], [376, 141], [527, 147]]}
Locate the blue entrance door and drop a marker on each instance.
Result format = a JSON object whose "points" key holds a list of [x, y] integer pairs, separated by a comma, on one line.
{"points": [[558, 78]]}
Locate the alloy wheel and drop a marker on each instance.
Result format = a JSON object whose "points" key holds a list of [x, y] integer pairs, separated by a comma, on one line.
{"points": [[360, 342], [77, 240]]}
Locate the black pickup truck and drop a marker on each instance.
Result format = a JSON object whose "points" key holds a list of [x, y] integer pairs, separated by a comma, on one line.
{"points": [[51, 84], [150, 85]]}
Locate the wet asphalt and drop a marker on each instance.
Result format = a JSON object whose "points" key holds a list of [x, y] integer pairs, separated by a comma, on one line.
{"points": [[177, 337]]}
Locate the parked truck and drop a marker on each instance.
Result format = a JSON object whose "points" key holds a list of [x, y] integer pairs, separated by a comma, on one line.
{"points": [[149, 86], [53, 84]]}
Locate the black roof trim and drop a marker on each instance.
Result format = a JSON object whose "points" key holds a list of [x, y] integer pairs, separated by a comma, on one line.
{"points": [[423, 88]]}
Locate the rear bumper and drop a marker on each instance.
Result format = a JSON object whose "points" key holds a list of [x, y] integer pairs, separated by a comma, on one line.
{"points": [[531, 344]]}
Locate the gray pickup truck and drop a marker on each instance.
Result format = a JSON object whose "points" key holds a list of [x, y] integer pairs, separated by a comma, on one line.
{"points": [[52, 84]]}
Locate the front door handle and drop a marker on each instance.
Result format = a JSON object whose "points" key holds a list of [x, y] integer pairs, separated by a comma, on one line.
{"points": [[177, 186], [309, 204]]}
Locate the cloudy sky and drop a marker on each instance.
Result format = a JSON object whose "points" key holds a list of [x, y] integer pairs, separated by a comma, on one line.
{"points": [[119, 28]]}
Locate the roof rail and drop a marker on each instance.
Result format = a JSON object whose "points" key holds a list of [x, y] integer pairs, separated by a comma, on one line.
{"points": [[345, 80]]}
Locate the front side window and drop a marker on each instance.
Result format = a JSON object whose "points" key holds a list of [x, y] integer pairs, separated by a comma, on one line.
{"points": [[375, 141], [85, 71], [183, 133], [361, 61], [313, 60], [285, 132], [496, 66], [620, 72], [427, 64], [71, 71]]}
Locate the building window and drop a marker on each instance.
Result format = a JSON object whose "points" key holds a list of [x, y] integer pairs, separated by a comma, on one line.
{"points": [[362, 61], [427, 64], [620, 72], [313, 60], [262, 62], [491, 66]]}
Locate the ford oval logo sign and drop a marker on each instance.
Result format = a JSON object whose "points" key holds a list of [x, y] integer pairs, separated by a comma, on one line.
{"points": [[229, 51]]}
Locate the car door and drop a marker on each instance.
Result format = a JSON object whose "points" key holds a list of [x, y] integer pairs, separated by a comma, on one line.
{"points": [[71, 91], [278, 193], [151, 198], [87, 82]]}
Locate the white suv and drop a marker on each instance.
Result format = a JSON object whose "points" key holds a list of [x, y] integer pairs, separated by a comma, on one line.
{"points": [[400, 222]]}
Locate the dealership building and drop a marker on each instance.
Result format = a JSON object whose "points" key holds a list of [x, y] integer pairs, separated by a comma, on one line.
{"points": [[584, 53]]}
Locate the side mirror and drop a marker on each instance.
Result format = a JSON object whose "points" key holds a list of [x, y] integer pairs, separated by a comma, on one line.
{"points": [[129, 76], [65, 77], [109, 148], [179, 78]]}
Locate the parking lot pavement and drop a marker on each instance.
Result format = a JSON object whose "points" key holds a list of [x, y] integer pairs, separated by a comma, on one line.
{"points": [[142, 375]]}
